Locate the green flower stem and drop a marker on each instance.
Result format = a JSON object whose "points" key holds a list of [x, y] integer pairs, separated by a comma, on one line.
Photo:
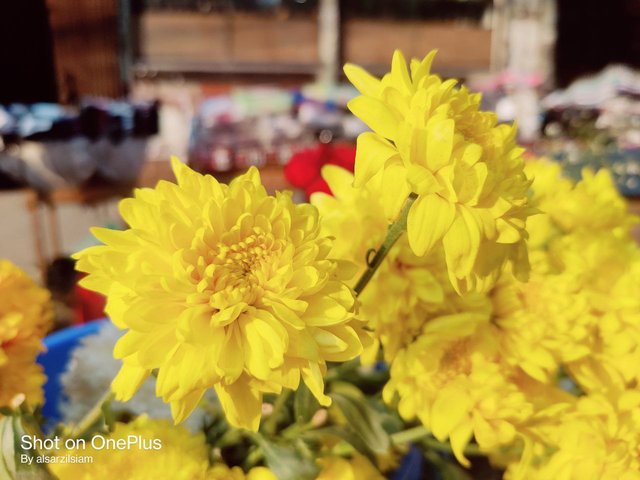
{"points": [[271, 423], [295, 430], [410, 435], [424, 436], [231, 436], [255, 456], [471, 449], [337, 371], [395, 231], [92, 416]]}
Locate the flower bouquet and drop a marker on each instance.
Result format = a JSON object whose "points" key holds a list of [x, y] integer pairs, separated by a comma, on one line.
{"points": [[448, 311]]}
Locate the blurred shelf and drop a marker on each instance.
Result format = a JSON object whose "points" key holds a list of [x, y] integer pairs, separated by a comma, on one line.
{"points": [[177, 65]]}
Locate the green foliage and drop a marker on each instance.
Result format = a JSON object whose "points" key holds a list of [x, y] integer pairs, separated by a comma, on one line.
{"points": [[11, 432], [304, 404], [364, 420], [7, 444], [286, 461]]}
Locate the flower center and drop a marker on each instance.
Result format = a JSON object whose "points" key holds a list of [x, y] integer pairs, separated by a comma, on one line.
{"points": [[237, 269], [456, 360]]}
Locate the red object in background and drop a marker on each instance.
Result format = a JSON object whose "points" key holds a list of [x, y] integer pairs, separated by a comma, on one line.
{"points": [[88, 305], [304, 167]]}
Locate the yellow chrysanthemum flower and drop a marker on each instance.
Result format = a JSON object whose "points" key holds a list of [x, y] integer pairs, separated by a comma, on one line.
{"points": [[351, 215], [608, 272], [25, 308], [581, 307], [544, 323], [21, 378], [452, 378], [25, 316], [563, 202], [598, 440], [407, 290], [355, 468], [430, 139], [222, 472], [222, 286]]}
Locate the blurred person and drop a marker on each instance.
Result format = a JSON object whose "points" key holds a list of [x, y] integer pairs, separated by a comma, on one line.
{"points": [[74, 305]]}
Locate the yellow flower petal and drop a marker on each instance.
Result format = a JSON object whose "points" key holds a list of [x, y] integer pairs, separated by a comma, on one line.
{"points": [[312, 377], [462, 243], [399, 72], [378, 116], [182, 408], [372, 153], [366, 83], [449, 409], [460, 438], [241, 403], [429, 220], [396, 189], [439, 142], [127, 381]]}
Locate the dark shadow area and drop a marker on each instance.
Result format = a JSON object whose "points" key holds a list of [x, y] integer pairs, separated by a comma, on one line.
{"points": [[26, 53], [593, 34]]}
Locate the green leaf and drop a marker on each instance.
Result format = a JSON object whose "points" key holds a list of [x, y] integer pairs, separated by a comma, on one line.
{"points": [[346, 435], [11, 432], [450, 471], [448, 468], [286, 462], [364, 420], [304, 404], [7, 447]]}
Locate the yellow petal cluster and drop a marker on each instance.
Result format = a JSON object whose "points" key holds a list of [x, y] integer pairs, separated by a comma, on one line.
{"points": [[25, 316], [581, 308], [182, 456], [453, 379], [222, 472], [407, 290], [506, 375], [591, 205], [608, 272], [598, 439], [576, 326], [355, 468], [544, 323], [430, 139], [21, 378], [225, 287]]}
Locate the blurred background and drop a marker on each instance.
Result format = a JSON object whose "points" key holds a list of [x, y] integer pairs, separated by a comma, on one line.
{"points": [[95, 95]]}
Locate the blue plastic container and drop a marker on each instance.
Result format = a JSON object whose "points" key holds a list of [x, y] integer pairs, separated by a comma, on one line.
{"points": [[59, 347]]}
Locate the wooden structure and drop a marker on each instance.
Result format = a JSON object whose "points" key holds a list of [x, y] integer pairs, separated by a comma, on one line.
{"points": [[90, 194], [256, 43], [86, 48], [94, 40], [241, 42], [462, 47]]}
